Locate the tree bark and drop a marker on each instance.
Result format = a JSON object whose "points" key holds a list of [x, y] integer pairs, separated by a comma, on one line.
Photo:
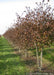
{"points": [[41, 59], [19, 50], [26, 53], [37, 56]]}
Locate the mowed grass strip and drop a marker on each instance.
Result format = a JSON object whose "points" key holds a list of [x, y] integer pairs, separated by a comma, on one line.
{"points": [[10, 63], [13, 64]]}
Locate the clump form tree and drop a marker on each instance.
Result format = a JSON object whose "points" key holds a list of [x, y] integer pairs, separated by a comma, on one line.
{"points": [[36, 29]]}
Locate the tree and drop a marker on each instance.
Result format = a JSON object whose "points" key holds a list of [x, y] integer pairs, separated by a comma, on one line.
{"points": [[35, 30]]}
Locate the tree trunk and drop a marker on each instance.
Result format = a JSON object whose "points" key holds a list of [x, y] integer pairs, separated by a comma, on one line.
{"points": [[19, 50], [26, 53], [37, 56], [41, 59]]}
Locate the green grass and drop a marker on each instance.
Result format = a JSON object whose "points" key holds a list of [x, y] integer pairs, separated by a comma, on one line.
{"points": [[48, 56], [13, 64], [10, 63]]}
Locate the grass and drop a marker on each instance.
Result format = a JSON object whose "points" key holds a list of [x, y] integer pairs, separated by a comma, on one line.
{"points": [[10, 63], [48, 57]]}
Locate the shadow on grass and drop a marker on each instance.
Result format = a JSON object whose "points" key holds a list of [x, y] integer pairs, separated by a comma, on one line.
{"points": [[6, 50], [4, 57], [29, 61], [48, 54], [12, 67], [48, 66], [10, 63]]}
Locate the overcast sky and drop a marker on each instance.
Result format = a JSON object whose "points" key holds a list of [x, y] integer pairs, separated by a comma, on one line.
{"points": [[8, 9]]}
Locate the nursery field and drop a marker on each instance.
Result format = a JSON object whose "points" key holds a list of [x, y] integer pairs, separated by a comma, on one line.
{"points": [[11, 62]]}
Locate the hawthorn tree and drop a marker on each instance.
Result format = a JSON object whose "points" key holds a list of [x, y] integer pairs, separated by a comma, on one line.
{"points": [[36, 29]]}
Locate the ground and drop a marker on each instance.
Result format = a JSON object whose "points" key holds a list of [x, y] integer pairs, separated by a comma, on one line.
{"points": [[12, 62]]}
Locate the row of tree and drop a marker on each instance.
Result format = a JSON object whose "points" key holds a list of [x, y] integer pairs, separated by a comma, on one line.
{"points": [[34, 30]]}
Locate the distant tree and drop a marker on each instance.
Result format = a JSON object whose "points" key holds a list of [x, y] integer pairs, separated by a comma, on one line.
{"points": [[0, 35], [10, 35]]}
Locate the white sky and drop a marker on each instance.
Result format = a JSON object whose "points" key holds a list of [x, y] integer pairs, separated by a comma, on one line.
{"points": [[9, 8]]}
